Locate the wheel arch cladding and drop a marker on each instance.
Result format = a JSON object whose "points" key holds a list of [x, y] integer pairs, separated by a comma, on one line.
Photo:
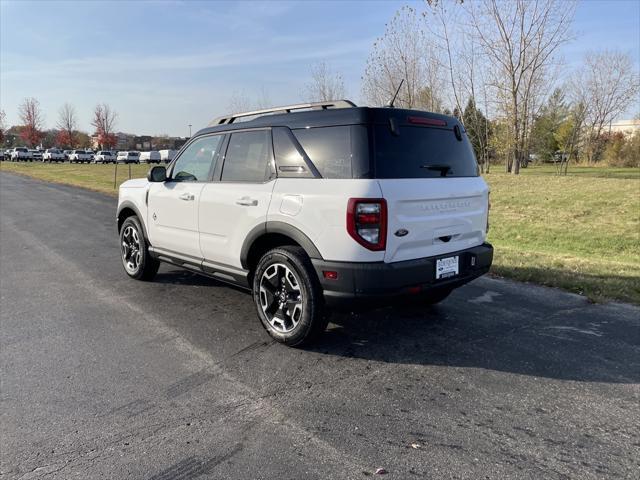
{"points": [[271, 235], [128, 209]]}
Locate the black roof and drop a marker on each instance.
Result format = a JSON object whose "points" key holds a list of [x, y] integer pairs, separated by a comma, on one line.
{"points": [[330, 117]]}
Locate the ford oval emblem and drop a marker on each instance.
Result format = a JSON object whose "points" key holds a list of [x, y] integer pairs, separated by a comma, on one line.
{"points": [[401, 233]]}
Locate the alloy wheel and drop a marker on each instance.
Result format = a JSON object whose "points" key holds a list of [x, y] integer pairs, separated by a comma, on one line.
{"points": [[131, 254], [281, 298]]}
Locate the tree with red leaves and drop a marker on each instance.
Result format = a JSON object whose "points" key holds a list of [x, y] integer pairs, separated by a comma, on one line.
{"points": [[104, 120], [31, 117], [64, 139]]}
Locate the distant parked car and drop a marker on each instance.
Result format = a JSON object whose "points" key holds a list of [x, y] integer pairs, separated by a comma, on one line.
{"points": [[36, 154], [150, 157], [67, 153], [80, 156], [20, 154], [53, 155], [166, 155], [128, 157], [104, 156], [91, 153]]}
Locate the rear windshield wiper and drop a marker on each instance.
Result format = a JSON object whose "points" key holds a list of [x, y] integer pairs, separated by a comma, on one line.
{"points": [[443, 169]]}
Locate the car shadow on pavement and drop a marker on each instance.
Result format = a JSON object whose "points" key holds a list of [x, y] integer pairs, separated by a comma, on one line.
{"points": [[605, 350], [581, 341]]}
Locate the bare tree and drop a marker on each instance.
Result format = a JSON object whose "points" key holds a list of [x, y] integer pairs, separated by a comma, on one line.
{"points": [[606, 85], [104, 120], [240, 101], [466, 69], [520, 40], [3, 116], [33, 122], [325, 84], [403, 53], [67, 124]]}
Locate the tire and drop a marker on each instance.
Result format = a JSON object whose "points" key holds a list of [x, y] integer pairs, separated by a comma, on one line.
{"points": [[285, 277], [435, 296], [134, 251]]}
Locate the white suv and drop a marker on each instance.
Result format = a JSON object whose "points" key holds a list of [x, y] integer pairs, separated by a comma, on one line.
{"points": [[80, 156], [53, 155], [19, 154], [104, 156], [128, 157], [315, 207]]}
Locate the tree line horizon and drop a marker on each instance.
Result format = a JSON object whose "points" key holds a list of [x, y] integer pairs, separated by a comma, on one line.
{"points": [[493, 65]]}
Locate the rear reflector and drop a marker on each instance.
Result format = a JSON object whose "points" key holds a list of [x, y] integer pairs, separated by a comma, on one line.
{"points": [[330, 274], [435, 122]]}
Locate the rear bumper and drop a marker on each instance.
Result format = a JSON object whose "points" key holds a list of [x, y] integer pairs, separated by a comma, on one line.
{"points": [[362, 285]]}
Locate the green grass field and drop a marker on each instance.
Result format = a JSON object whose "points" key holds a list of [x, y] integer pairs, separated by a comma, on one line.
{"points": [[579, 232]]}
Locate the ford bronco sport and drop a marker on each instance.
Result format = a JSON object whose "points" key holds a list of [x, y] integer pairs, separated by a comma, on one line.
{"points": [[315, 207]]}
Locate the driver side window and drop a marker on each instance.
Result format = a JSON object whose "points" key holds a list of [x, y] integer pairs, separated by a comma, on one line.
{"points": [[197, 162]]}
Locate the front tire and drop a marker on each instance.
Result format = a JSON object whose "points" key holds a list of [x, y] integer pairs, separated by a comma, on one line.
{"points": [[134, 252], [288, 296]]}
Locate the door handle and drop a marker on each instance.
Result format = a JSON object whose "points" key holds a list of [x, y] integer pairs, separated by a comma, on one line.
{"points": [[247, 202], [187, 196]]}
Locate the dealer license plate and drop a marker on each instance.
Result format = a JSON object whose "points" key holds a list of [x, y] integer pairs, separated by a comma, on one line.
{"points": [[447, 267]]}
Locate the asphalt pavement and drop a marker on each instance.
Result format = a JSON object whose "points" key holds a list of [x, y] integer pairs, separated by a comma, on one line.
{"points": [[106, 377]]}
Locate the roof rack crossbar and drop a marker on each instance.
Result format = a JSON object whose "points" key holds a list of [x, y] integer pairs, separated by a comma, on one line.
{"points": [[224, 120]]}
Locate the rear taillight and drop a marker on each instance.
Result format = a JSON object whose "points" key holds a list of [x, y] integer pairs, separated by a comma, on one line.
{"points": [[367, 222]]}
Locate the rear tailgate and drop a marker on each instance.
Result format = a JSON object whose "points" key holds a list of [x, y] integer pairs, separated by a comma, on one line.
{"points": [[436, 201], [433, 216]]}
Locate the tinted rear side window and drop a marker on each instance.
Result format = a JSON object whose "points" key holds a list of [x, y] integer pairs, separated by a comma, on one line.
{"points": [[337, 152], [422, 152], [248, 157]]}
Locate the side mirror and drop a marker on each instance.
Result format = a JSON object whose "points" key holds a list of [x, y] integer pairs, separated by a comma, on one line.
{"points": [[157, 174]]}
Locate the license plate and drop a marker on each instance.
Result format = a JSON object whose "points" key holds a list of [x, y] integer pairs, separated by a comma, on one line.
{"points": [[447, 267]]}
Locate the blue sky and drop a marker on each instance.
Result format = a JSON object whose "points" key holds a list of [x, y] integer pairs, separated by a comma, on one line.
{"points": [[163, 65]]}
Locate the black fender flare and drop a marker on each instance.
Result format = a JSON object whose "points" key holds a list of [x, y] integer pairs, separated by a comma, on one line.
{"points": [[129, 204], [283, 229]]}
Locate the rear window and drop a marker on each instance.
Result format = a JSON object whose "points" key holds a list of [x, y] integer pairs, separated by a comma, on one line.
{"points": [[337, 152], [422, 152]]}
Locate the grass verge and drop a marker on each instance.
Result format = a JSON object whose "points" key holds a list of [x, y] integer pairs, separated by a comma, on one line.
{"points": [[579, 232]]}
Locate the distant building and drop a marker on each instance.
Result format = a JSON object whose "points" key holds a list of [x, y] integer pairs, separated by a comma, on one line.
{"points": [[127, 141], [626, 127], [122, 141], [142, 142]]}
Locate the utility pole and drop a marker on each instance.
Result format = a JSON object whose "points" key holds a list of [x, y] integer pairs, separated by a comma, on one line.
{"points": [[189, 130]]}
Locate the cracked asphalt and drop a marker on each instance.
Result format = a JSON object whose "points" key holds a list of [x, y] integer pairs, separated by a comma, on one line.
{"points": [[105, 377]]}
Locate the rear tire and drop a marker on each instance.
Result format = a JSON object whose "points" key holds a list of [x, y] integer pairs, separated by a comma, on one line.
{"points": [[288, 296], [134, 251]]}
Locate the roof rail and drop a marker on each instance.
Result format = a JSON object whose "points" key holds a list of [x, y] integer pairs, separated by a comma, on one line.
{"points": [[225, 120]]}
